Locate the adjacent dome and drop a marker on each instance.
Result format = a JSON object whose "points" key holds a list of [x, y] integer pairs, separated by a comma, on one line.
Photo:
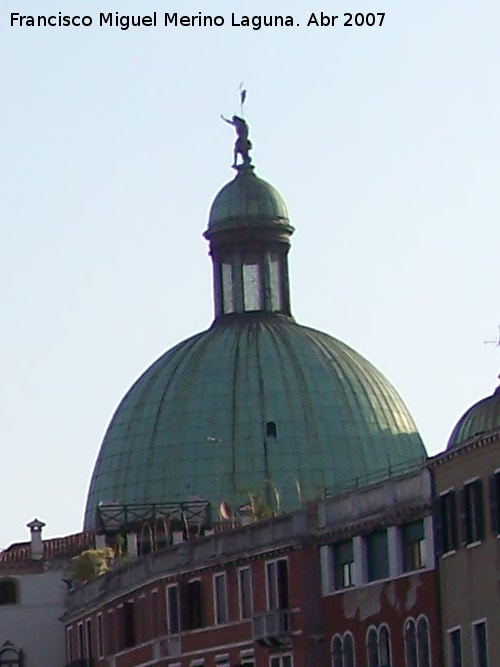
{"points": [[481, 419], [255, 404]]}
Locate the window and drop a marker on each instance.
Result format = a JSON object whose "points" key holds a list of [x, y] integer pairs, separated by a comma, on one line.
{"points": [[275, 282], [173, 612], [80, 641], [472, 512], [245, 592], [280, 661], [9, 656], [343, 565], [413, 543], [455, 647], [100, 636], [378, 647], [88, 633], [271, 430], [154, 614], [252, 289], [423, 648], [480, 644], [111, 641], [194, 618], [69, 644], [220, 599], [227, 289], [495, 502], [377, 554], [8, 591], [446, 523], [343, 651], [277, 584], [372, 648], [410, 643], [384, 647], [128, 625]]}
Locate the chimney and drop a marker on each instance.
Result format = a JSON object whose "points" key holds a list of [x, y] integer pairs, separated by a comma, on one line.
{"points": [[35, 527]]}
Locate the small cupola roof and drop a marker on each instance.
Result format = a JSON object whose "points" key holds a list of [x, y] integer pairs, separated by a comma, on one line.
{"points": [[247, 201], [483, 418]]}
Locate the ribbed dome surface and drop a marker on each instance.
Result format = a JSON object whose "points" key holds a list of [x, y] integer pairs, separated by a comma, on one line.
{"points": [[247, 201], [195, 423], [482, 418]]}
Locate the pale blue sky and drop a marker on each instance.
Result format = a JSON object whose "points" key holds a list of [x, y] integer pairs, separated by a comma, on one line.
{"points": [[383, 141]]}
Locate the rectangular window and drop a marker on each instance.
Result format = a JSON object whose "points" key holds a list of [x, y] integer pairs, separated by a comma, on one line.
{"points": [[173, 612], [141, 613], [245, 592], [69, 644], [280, 661], [472, 512], [377, 555], [480, 644], [129, 631], [343, 565], [81, 642], [194, 618], [455, 647], [275, 282], [448, 520], [111, 633], [277, 584], [220, 599], [154, 614], [252, 296], [413, 545], [100, 636], [495, 503], [227, 289], [88, 632]]}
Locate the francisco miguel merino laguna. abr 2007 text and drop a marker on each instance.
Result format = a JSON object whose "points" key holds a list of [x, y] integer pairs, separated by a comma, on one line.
{"points": [[173, 19]]}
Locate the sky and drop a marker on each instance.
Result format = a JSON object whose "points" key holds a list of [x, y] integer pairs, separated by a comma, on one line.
{"points": [[383, 140]]}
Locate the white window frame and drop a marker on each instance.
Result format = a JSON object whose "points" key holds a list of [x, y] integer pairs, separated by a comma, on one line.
{"points": [[69, 643], [280, 656], [379, 629], [240, 597], [220, 576]]}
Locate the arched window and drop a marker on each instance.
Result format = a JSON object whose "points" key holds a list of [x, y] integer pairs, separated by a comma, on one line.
{"points": [[384, 647], [337, 652], [8, 591], [9, 656], [348, 650], [423, 649], [410, 643], [372, 648]]}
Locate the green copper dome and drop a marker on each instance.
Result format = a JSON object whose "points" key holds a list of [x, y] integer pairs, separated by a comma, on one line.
{"points": [[253, 404], [257, 403], [481, 419], [247, 201]]}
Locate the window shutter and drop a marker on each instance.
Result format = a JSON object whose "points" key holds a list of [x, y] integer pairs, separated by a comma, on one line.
{"points": [[437, 523], [494, 484], [479, 499], [462, 508]]}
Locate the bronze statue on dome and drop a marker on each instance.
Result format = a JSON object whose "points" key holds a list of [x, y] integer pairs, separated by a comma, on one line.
{"points": [[243, 145]]}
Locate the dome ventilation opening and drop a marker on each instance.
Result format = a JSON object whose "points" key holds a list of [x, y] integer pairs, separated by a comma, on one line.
{"points": [[271, 430]]}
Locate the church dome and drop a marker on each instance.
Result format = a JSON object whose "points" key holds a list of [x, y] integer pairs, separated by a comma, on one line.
{"points": [[481, 419], [256, 404]]}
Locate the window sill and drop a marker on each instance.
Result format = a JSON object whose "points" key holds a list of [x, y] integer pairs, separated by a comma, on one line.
{"points": [[447, 554], [473, 545]]}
